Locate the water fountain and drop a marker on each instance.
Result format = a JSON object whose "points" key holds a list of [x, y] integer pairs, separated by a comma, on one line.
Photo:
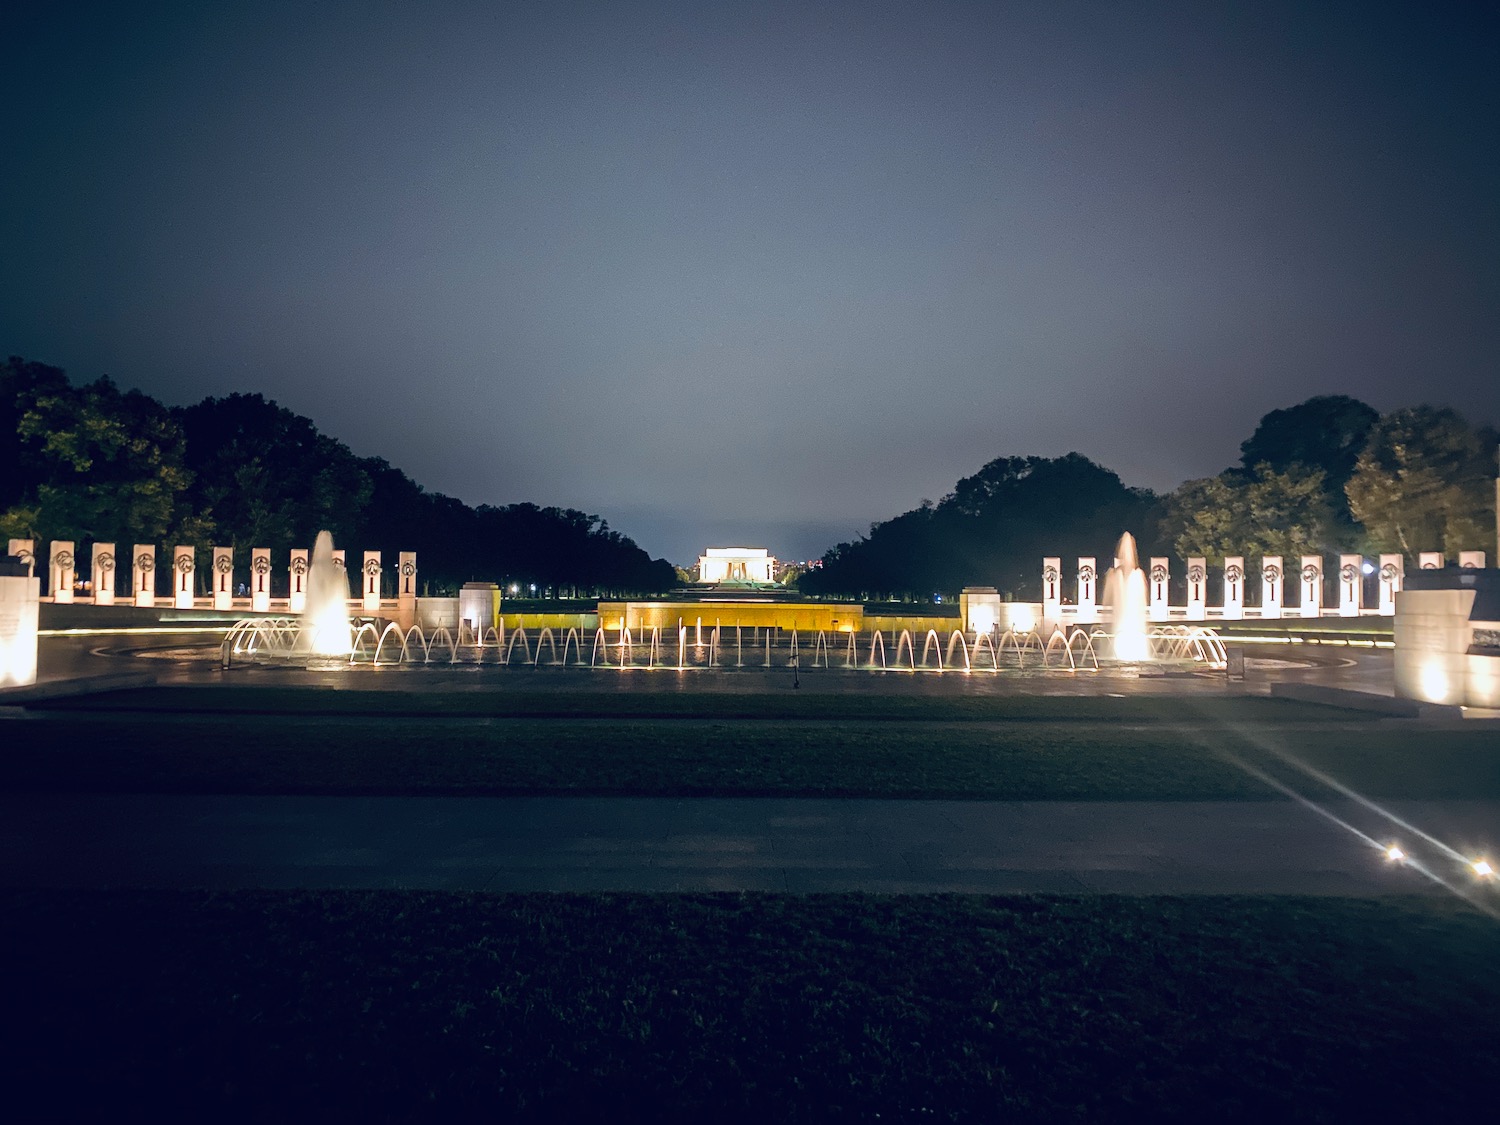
{"points": [[1125, 595], [325, 621], [1131, 640], [325, 636], [381, 643]]}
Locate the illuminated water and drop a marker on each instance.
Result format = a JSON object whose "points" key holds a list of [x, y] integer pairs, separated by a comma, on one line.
{"points": [[1125, 595], [325, 621]]}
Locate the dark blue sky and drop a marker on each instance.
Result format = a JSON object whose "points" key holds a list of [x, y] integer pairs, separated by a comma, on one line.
{"points": [[757, 273]]}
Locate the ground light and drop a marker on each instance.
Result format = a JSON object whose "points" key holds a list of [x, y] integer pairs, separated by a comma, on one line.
{"points": [[1392, 852]]}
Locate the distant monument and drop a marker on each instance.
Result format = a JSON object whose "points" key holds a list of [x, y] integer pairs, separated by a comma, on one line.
{"points": [[736, 564]]}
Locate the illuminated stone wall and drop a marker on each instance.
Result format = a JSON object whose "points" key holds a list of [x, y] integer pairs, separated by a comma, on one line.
{"points": [[479, 605], [1447, 648], [919, 626], [979, 607], [18, 625], [827, 616], [1432, 642], [557, 622]]}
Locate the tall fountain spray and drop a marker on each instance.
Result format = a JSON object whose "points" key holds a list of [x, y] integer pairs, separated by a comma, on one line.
{"points": [[1125, 594], [325, 621]]}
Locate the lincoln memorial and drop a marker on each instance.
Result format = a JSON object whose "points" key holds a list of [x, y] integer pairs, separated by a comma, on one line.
{"points": [[736, 564]]}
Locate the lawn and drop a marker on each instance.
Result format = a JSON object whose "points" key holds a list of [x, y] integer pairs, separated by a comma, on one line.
{"points": [[642, 700], [1007, 748], [407, 1006]]}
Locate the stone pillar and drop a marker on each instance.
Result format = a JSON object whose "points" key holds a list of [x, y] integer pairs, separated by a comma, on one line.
{"points": [[1088, 592], [104, 573], [143, 574], [1471, 560], [1197, 590], [408, 571], [1431, 560], [1351, 585], [1052, 590], [260, 580], [1312, 586], [406, 589], [60, 571], [1161, 599], [338, 561], [183, 563], [297, 582], [1272, 587], [370, 582], [1234, 588], [1392, 576], [25, 550], [223, 578], [19, 594]]}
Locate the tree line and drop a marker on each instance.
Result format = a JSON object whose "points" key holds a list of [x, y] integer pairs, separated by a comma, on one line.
{"points": [[1326, 476], [93, 463]]}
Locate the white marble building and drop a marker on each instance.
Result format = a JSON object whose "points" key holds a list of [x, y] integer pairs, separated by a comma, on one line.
{"points": [[736, 564]]}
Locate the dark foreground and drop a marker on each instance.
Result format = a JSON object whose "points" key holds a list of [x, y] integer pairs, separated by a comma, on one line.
{"points": [[413, 1006]]}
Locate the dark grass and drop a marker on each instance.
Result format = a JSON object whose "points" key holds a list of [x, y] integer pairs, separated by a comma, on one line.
{"points": [[642, 701], [299, 754], [408, 1006]]}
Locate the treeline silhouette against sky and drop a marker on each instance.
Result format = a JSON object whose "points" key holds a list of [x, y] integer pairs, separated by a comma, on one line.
{"points": [[1330, 474], [94, 464]]}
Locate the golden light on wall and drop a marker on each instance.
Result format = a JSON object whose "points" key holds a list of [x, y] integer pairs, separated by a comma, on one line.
{"points": [[1021, 617]]}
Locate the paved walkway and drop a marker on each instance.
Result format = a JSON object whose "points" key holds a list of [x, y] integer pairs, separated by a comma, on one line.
{"points": [[587, 844]]}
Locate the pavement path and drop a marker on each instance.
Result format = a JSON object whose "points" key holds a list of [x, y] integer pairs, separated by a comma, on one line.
{"points": [[730, 844]]}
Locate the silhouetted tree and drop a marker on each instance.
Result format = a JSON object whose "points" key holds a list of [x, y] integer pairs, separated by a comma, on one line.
{"points": [[1325, 433], [87, 463], [91, 463], [1262, 512], [266, 477], [1425, 481], [993, 529]]}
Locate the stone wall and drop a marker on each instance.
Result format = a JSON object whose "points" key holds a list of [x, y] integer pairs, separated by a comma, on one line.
{"points": [[1447, 641], [826, 616]]}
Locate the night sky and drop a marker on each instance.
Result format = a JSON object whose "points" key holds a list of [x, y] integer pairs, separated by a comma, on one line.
{"points": [[752, 273]]}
